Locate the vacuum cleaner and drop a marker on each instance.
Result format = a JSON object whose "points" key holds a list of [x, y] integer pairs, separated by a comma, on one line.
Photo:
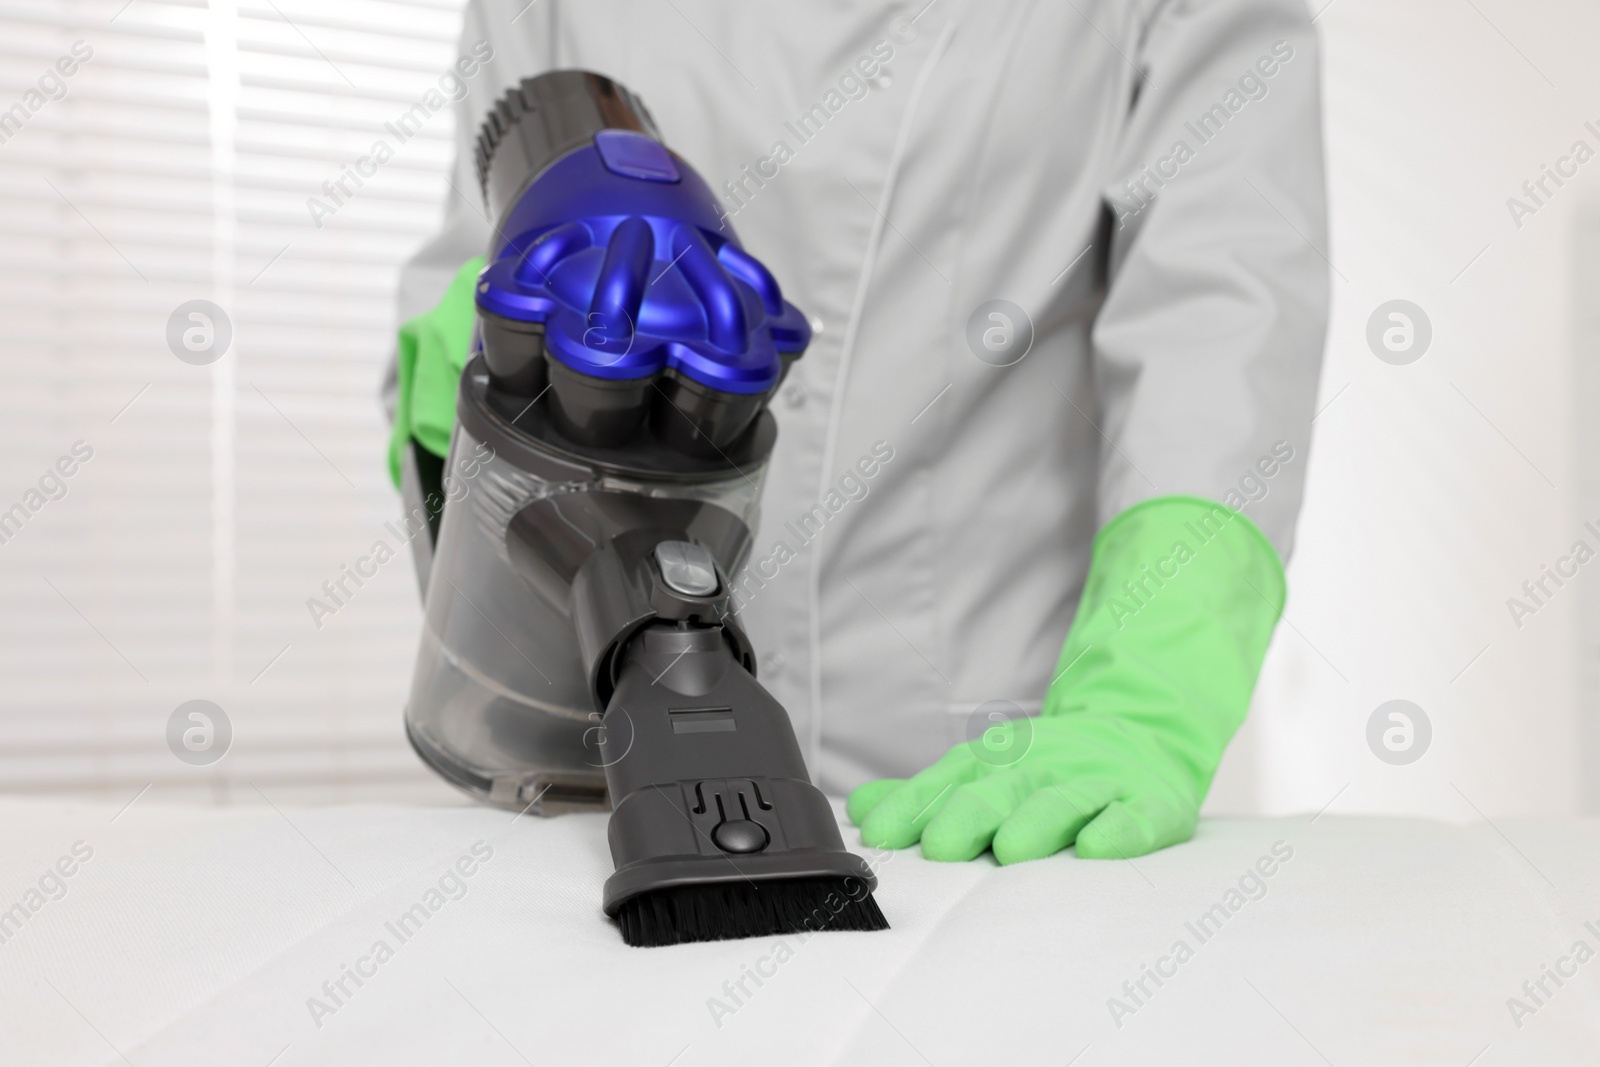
{"points": [[580, 648]]}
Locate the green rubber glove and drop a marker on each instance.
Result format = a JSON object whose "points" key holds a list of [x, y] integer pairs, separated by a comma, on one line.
{"points": [[1154, 678], [432, 350]]}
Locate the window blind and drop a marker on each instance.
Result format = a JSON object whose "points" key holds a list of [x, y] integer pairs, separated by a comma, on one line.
{"points": [[182, 159]]}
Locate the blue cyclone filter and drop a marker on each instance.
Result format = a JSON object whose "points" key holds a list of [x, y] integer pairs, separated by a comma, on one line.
{"points": [[618, 251]]}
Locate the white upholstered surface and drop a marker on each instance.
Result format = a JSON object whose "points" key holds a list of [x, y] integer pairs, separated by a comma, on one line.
{"points": [[200, 936]]}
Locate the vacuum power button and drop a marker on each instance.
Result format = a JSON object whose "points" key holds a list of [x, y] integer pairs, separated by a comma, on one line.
{"points": [[740, 835]]}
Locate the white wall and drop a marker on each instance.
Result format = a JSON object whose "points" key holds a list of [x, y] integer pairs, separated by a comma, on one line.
{"points": [[1438, 488]]}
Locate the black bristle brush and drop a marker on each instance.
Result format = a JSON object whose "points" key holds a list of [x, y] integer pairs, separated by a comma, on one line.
{"points": [[727, 911]]}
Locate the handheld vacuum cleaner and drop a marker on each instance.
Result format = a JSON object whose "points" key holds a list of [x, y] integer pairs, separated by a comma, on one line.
{"points": [[580, 647]]}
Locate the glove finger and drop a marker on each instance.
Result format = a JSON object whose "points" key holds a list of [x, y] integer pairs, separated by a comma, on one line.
{"points": [[897, 820], [967, 822], [968, 819], [868, 796], [1051, 818], [1134, 827], [962, 829]]}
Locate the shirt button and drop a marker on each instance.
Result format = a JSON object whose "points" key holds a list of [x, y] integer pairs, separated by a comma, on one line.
{"points": [[884, 79], [794, 395], [771, 664]]}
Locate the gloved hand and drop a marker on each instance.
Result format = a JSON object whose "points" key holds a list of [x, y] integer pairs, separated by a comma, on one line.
{"points": [[432, 350], [1155, 676]]}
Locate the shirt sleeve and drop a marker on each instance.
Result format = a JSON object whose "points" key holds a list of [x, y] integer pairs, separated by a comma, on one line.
{"points": [[1208, 347]]}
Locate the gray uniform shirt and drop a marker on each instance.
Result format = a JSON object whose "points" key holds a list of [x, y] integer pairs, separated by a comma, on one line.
{"points": [[1062, 257]]}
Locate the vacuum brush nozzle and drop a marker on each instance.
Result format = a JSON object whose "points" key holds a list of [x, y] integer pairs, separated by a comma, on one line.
{"points": [[715, 829]]}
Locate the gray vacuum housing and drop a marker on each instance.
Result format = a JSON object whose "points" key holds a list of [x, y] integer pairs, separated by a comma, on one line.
{"points": [[581, 649]]}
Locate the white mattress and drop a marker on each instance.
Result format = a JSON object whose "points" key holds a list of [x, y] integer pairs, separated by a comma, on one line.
{"points": [[200, 936]]}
